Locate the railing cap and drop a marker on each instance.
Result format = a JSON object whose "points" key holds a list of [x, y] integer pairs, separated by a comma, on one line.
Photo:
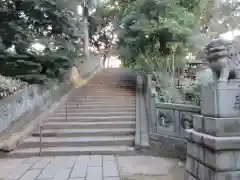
{"points": [[181, 107]]}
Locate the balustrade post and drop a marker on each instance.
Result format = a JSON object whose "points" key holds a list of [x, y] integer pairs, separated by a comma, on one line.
{"points": [[40, 140]]}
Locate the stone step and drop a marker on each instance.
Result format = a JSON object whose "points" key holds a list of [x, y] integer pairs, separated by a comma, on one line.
{"points": [[70, 118], [97, 110], [102, 96], [106, 94], [89, 125], [84, 102], [116, 99], [119, 88], [100, 105], [71, 151], [84, 132], [111, 86], [32, 142], [92, 106], [94, 114], [106, 88], [110, 99], [114, 103]]}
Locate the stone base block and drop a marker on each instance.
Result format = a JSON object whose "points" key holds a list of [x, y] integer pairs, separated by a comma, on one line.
{"points": [[221, 99], [188, 176], [212, 142], [217, 160], [212, 158], [195, 170], [225, 127], [219, 153]]}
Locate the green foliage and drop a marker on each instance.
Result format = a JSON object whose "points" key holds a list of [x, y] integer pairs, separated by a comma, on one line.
{"points": [[149, 25], [9, 86], [100, 26], [46, 22]]}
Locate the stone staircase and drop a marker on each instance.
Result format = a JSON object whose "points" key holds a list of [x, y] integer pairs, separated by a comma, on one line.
{"points": [[99, 118]]}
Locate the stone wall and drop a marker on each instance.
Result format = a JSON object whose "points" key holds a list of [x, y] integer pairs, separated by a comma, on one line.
{"points": [[21, 112], [14, 107]]}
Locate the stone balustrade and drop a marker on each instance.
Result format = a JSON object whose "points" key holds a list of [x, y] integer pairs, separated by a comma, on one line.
{"points": [[28, 100], [173, 119], [167, 129]]}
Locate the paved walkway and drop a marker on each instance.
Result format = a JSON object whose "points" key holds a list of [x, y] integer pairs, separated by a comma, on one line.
{"points": [[94, 167]]}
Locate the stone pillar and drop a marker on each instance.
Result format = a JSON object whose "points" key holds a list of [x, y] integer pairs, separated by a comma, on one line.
{"points": [[213, 147]]}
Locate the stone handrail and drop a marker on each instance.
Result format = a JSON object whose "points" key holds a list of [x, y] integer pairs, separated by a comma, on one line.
{"points": [[168, 119], [173, 119], [167, 124]]}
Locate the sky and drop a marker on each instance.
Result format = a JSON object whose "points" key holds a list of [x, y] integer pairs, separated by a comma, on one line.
{"points": [[230, 34]]}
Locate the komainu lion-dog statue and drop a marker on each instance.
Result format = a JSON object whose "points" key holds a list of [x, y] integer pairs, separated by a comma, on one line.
{"points": [[223, 59]]}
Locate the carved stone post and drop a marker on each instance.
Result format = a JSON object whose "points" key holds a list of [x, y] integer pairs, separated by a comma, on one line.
{"points": [[213, 147]]}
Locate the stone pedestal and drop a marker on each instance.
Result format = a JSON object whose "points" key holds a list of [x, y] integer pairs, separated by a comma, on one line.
{"points": [[221, 99], [213, 147]]}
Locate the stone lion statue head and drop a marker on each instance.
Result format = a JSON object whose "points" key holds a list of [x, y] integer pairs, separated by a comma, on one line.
{"points": [[222, 59]]}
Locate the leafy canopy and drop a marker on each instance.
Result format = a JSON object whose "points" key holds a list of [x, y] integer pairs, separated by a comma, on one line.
{"points": [[155, 26], [52, 23]]}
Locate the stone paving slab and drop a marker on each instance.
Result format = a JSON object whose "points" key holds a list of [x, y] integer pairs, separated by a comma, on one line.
{"points": [[150, 168], [93, 167]]}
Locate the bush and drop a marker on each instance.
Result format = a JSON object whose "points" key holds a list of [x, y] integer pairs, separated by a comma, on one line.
{"points": [[9, 86]]}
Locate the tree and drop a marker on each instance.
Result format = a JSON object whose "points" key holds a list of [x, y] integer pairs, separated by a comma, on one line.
{"points": [[101, 32], [151, 25], [50, 23]]}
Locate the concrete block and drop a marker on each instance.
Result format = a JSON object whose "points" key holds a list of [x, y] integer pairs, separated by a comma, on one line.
{"points": [[188, 176], [18, 171], [109, 158], [231, 175], [196, 151], [79, 170], [192, 166], [42, 163], [207, 174], [111, 178], [57, 164], [213, 142], [95, 160], [198, 122], [219, 160], [80, 167], [221, 99], [222, 161], [225, 127], [199, 170], [82, 160], [110, 169], [62, 174], [31, 174], [94, 173]]}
